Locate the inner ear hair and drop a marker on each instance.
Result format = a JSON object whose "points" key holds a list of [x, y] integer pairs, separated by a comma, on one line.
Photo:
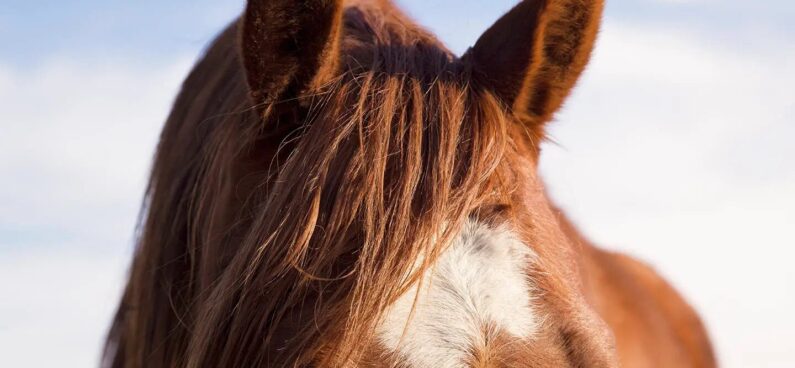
{"points": [[532, 56], [288, 46]]}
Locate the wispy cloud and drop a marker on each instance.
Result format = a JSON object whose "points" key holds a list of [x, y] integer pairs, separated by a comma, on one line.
{"points": [[33, 32], [76, 141], [56, 306], [679, 151], [80, 139]]}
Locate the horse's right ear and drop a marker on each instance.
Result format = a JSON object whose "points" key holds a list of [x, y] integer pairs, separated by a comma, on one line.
{"points": [[532, 56], [289, 46]]}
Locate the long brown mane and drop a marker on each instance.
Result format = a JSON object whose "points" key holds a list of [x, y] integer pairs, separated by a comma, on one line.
{"points": [[262, 236]]}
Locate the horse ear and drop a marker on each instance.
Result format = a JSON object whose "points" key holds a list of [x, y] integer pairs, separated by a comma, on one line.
{"points": [[534, 54], [289, 46]]}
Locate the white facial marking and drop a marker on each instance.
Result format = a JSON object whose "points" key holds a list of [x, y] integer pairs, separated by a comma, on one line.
{"points": [[478, 283]]}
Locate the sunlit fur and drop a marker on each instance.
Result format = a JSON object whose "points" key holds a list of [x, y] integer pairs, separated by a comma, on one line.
{"points": [[325, 158], [477, 286]]}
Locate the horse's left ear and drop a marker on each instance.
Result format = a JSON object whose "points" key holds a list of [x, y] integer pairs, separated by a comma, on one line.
{"points": [[532, 57], [288, 46]]}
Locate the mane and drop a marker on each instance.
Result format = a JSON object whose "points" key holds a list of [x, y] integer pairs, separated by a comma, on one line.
{"points": [[260, 236]]}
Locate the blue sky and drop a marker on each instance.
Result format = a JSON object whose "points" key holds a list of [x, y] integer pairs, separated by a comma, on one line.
{"points": [[675, 147], [146, 31]]}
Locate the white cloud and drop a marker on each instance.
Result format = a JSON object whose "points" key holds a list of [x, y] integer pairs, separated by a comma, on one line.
{"points": [[679, 1], [679, 151], [76, 141], [57, 305]]}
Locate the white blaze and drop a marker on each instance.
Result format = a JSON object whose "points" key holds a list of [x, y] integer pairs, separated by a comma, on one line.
{"points": [[479, 281]]}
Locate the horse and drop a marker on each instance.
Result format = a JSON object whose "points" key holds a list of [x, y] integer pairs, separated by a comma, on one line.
{"points": [[335, 188]]}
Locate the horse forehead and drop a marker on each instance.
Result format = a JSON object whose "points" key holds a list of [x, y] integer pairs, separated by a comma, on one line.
{"points": [[477, 290]]}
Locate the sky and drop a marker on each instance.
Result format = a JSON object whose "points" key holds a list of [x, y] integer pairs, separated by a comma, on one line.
{"points": [[676, 147]]}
